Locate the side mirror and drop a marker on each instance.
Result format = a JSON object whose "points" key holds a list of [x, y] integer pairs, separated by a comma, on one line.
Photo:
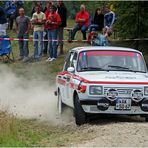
{"points": [[71, 69]]}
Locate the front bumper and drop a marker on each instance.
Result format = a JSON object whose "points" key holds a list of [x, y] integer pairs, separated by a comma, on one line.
{"points": [[91, 106]]}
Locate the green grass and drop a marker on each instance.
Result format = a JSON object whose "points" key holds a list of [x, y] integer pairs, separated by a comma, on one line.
{"points": [[16, 132]]}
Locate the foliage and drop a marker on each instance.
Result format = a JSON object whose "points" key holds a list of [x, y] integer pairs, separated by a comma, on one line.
{"points": [[132, 18]]}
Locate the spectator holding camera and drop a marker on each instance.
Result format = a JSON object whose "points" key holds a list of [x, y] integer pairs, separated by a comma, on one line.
{"points": [[102, 39]]}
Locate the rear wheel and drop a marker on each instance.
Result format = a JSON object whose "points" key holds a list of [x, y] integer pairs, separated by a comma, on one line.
{"points": [[80, 115], [60, 105]]}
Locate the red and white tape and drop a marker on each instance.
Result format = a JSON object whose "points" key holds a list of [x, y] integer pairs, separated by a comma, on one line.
{"points": [[31, 39], [137, 39]]}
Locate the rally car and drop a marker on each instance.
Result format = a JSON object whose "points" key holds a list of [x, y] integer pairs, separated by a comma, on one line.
{"points": [[103, 80]]}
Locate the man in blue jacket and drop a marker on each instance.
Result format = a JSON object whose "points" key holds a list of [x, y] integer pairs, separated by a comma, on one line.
{"points": [[10, 8], [109, 18]]}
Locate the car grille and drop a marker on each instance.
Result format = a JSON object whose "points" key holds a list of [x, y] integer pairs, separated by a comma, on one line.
{"points": [[126, 92]]}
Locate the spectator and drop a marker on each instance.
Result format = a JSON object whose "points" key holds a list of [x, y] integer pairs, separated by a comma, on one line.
{"points": [[10, 9], [62, 11], [50, 2], [109, 18], [47, 11], [19, 4], [53, 21], [39, 3], [98, 21], [22, 28], [102, 39], [82, 20], [3, 22], [38, 20]]}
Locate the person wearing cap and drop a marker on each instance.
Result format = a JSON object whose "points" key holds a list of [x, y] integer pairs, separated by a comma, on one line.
{"points": [[82, 22], [53, 22]]}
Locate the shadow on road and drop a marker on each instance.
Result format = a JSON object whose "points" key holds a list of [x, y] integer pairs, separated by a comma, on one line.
{"points": [[109, 119]]}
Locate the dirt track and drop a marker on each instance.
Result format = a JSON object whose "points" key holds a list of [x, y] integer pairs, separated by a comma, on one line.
{"points": [[119, 131], [114, 131]]}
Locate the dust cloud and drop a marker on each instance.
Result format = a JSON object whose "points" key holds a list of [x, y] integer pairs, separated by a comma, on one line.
{"points": [[27, 98]]}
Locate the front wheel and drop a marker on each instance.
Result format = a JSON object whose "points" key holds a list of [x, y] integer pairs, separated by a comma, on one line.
{"points": [[80, 115]]}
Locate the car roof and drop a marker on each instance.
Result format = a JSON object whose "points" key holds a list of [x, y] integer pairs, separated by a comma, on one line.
{"points": [[89, 48]]}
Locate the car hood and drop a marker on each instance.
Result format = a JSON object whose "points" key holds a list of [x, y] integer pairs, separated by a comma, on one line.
{"points": [[114, 76]]}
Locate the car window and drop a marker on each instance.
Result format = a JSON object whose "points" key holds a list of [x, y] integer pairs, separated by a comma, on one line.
{"points": [[111, 60], [68, 60], [74, 60]]}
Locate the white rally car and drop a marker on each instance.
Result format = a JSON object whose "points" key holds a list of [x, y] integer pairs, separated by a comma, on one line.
{"points": [[103, 80]]}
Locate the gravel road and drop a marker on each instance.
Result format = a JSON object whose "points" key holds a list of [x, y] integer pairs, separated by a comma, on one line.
{"points": [[119, 132]]}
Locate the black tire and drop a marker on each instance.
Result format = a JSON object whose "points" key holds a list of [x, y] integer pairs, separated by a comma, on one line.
{"points": [[80, 115]]}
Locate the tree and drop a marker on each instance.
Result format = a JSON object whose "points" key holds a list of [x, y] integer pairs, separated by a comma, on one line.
{"points": [[132, 18]]}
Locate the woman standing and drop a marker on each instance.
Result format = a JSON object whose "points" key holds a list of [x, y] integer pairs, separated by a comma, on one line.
{"points": [[53, 22], [98, 21]]}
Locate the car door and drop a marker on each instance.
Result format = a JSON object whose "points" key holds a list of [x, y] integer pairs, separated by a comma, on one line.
{"points": [[71, 80], [67, 78]]}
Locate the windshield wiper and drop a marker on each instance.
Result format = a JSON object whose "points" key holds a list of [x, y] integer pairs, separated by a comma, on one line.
{"points": [[136, 71], [118, 67], [92, 69], [125, 68]]}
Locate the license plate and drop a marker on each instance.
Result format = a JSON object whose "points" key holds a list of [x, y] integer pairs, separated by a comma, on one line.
{"points": [[123, 104]]}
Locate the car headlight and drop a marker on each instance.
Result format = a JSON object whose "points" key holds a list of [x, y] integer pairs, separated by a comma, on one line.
{"points": [[112, 94], [137, 95], [95, 90], [146, 91]]}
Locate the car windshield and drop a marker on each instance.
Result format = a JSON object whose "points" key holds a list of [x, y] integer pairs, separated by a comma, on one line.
{"points": [[111, 61]]}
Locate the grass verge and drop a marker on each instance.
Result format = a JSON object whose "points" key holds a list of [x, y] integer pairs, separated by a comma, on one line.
{"points": [[16, 132]]}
